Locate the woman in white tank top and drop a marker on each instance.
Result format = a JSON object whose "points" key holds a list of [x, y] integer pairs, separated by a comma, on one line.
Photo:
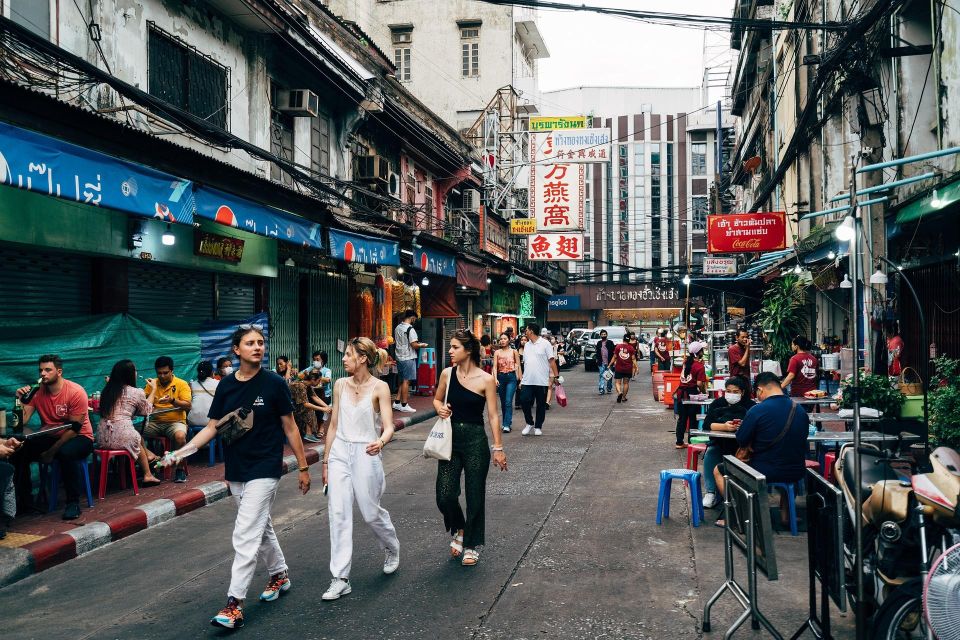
{"points": [[352, 465]]}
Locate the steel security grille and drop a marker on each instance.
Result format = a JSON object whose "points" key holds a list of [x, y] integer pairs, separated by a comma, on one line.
{"points": [[328, 316], [44, 285], [166, 296], [284, 312], [236, 297]]}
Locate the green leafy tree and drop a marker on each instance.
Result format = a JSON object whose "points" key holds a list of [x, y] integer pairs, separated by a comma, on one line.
{"points": [[783, 315], [944, 399]]}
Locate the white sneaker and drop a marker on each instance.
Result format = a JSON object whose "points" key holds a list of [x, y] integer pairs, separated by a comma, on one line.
{"points": [[710, 500], [526, 430], [338, 587], [537, 432], [397, 406], [407, 408], [391, 561]]}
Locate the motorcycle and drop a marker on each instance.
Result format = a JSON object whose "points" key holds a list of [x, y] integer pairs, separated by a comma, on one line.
{"points": [[572, 353], [908, 519]]}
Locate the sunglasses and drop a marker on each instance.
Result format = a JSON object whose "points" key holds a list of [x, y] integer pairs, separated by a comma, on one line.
{"points": [[248, 327]]}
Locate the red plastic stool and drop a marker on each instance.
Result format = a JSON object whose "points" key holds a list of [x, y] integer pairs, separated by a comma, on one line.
{"points": [[105, 456], [693, 455], [812, 464], [164, 443], [828, 460]]}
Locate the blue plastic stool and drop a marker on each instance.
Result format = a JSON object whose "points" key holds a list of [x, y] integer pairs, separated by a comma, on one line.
{"points": [[51, 474], [194, 429], [791, 489], [667, 476]]}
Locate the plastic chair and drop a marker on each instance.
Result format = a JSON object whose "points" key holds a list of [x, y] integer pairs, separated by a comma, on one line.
{"points": [[106, 455], [791, 489], [164, 443], [694, 451], [828, 461], [696, 498], [51, 474], [193, 430]]}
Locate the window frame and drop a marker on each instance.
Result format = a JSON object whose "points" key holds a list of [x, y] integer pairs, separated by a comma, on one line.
{"points": [[469, 50]]}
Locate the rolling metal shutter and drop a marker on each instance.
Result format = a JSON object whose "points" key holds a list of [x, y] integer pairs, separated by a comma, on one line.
{"points": [[39, 284], [328, 316], [237, 297], [170, 297], [285, 314]]}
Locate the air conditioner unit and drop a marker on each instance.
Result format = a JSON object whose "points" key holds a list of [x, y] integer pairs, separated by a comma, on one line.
{"points": [[372, 168], [471, 199], [299, 102]]}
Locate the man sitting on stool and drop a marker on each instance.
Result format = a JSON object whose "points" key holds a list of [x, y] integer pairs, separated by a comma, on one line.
{"points": [[172, 393]]}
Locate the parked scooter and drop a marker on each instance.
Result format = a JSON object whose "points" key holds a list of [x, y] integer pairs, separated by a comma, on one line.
{"points": [[908, 520]]}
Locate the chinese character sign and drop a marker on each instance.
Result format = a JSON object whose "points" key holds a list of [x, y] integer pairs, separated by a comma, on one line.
{"points": [[574, 146], [746, 232], [556, 196], [555, 246]]}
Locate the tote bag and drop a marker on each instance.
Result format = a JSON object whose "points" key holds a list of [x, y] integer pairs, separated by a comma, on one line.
{"points": [[439, 444]]}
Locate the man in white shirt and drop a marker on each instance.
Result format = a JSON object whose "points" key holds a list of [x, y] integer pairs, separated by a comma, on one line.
{"points": [[539, 372], [405, 343]]}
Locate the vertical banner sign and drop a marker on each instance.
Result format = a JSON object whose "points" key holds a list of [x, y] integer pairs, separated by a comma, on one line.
{"points": [[578, 145], [557, 195], [555, 246], [746, 232]]}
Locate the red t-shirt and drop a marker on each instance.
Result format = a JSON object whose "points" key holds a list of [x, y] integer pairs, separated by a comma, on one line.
{"points": [[623, 358], [894, 349], [662, 348], [803, 366], [71, 401], [736, 369], [697, 374]]}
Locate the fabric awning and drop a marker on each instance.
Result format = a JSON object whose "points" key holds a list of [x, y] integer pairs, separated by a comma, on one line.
{"points": [[437, 262], [353, 247], [947, 196], [244, 214], [439, 299], [529, 284], [472, 275]]}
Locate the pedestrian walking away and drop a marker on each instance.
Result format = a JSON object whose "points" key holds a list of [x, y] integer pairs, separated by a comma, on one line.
{"points": [[353, 465], [509, 376], [693, 379], [604, 356], [540, 371], [623, 363], [470, 391], [253, 466]]}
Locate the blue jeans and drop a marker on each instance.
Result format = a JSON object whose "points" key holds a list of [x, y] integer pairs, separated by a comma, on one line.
{"points": [[507, 389], [711, 458], [601, 382]]}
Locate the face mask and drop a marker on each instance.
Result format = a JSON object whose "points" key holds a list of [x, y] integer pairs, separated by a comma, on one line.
{"points": [[732, 398], [227, 371], [317, 364]]}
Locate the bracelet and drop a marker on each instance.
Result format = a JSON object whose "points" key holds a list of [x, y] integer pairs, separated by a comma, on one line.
{"points": [[382, 443], [325, 462], [498, 449], [302, 469]]}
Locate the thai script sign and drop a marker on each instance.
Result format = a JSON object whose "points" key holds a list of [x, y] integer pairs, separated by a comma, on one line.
{"points": [[237, 212], [746, 232], [557, 196], [523, 226], [213, 245], [578, 145], [433, 261], [352, 247], [548, 123], [719, 266], [555, 246], [634, 294]]}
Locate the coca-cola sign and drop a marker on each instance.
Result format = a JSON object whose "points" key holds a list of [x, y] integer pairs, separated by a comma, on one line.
{"points": [[746, 232]]}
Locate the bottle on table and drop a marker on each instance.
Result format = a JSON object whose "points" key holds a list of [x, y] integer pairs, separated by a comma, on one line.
{"points": [[17, 422]]}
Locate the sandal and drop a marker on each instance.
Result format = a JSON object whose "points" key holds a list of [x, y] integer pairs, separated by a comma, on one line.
{"points": [[470, 557], [456, 546], [680, 446]]}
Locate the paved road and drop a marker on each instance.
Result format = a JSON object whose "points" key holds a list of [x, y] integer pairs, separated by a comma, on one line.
{"points": [[572, 552]]}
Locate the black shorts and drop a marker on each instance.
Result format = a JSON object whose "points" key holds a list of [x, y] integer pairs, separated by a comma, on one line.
{"points": [[622, 375]]}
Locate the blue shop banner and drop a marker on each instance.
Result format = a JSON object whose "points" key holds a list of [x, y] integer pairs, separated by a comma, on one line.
{"points": [[433, 261], [352, 247], [39, 163], [237, 212], [563, 303]]}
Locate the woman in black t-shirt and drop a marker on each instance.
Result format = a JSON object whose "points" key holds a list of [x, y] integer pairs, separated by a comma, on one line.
{"points": [[253, 466], [723, 414]]}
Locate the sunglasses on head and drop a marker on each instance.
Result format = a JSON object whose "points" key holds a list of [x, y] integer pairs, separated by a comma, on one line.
{"points": [[248, 327]]}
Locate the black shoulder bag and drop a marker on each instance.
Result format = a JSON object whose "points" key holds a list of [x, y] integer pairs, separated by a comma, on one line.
{"points": [[747, 452], [239, 422]]}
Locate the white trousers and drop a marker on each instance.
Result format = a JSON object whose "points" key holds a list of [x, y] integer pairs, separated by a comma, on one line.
{"points": [[351, 473], [253, 533]]}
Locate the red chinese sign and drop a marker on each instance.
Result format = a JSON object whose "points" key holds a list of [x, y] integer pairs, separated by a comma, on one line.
{"points": [[556, 196], [555, 246], [746, 232]]}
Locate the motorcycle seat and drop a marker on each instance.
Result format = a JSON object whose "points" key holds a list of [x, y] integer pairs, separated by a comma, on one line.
{"points": [[872, 471]]}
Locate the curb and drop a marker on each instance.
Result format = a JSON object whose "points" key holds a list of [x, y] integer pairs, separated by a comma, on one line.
{"points": [[16, 564], [402, 423]]}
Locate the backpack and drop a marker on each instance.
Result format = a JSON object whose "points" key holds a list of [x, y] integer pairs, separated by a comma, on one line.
{"points": [[392, 348]]}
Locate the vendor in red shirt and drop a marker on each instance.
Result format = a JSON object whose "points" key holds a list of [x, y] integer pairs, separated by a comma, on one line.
{"points": [[623, 361], [894, 351], [661, 350], [693, 380], [802, 369], [58, 401], [739, 356]]}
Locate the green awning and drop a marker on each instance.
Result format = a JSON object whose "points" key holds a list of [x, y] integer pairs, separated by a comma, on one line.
{"points": [[948, 195]]}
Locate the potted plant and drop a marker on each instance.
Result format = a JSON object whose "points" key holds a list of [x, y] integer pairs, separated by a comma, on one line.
{"points": [[783, 316], [876, 392], [944, 403]]}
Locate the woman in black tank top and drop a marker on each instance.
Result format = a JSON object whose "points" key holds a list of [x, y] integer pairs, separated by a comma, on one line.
{"points": [[471, 455]]}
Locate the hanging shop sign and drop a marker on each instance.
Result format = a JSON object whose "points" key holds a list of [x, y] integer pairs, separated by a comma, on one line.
{"points": [[547, 123], [746, 232], [352, 247], [555, 246], [247, 215], [433, 261], [557, 196], [575, 146], [523, 226], [56, 168], [213, 245], [563, 303], [719, 266]]}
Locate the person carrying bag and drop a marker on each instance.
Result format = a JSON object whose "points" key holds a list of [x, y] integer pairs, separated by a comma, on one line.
{"points": [[439, 443]]}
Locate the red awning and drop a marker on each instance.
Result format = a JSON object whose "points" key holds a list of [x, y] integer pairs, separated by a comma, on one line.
{"points": [[471, 275], [439, 299]]}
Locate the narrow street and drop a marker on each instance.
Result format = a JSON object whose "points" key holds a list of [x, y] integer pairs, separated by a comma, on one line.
{"points": [[573, 551]]}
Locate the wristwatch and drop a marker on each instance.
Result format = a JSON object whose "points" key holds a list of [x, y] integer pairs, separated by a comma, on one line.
{"points": [[302, 469]]}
